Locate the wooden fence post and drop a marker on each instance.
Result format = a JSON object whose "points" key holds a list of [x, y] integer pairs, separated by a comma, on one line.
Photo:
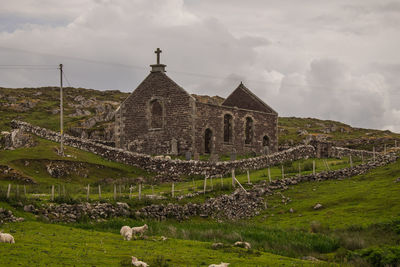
{"points": [[283, 173], [211, 182], [88, 192], [269, 174], [24, 190], [115, 192], [99, 192], [8, 191], [373, 151], [313, 167], [130, 192], [395, 143], [351, 162], [233, 178], [248, 177], [194, 186], [140, 191], [52, 193], [205, 185], [240, 185], [362, 157], [222, 182], [173, 189]]}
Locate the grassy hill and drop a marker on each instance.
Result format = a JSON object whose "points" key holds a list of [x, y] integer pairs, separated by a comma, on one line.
{"points": [[90, 111], [358, 225]]}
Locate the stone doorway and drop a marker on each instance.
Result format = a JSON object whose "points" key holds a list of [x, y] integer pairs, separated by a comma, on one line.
{"points": [[208, 141]]}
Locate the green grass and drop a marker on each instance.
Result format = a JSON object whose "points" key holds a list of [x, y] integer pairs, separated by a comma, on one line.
{"points": [[41, 244]]}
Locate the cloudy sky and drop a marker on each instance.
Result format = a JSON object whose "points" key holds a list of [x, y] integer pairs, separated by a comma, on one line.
{"points": [[334, 60]]}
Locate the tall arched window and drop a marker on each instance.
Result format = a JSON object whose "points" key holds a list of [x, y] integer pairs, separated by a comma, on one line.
{"points": [[248, 131], [208, 141], [156, 110], [265, 141], [227, 128]]}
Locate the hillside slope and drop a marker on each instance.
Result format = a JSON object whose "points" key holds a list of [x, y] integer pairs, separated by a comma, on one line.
{"points": [[89, 114]]}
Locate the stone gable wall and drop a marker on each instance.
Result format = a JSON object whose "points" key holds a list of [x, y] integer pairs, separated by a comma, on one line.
{"points": [[212, 117], [135, 132]]}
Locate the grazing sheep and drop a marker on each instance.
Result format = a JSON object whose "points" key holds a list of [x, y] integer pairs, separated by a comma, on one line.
{"points": [[136, 262], [167, 157], [126, 232], [139, 230], [6, 238], [222, 264], [163, 238], [241, 244]]}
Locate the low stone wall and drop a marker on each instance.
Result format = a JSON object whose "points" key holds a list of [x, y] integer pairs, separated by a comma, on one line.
{"points": [[166, 166], [338, 152], [283, 184]]}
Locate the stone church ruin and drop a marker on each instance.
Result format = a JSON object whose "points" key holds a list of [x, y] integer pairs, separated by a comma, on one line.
{"points": [[160, 117]]}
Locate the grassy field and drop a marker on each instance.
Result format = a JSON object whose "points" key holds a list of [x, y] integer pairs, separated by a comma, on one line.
{"points": [[32, 163], [40, 244], [360, 214]]}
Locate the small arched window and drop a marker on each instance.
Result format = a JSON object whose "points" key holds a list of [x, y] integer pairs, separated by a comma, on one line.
{"points": [[228, 128], [156, 110], [248, 131], [265, 141]]}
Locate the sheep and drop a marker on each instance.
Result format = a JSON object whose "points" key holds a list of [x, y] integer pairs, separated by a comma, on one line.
{"points": [[139, 230], [241, 244], [6, 238], [159, 157], [136, 262], [222, 264], [167, 157], [126, 232]]}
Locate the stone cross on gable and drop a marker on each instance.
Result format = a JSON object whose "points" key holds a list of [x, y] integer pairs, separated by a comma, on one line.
{"points": [[158, 52]]}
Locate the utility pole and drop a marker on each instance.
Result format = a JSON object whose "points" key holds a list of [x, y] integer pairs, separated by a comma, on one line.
{"points": [[61, 112]]}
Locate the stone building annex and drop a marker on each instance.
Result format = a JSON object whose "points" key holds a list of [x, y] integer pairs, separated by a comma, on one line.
{"points": [[160, 117]]}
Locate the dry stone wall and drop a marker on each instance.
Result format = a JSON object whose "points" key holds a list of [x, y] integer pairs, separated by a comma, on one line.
{"points": [[171, 167]]}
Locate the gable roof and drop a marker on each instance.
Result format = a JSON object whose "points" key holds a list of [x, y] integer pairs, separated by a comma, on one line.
{"points": [[242, 97]]}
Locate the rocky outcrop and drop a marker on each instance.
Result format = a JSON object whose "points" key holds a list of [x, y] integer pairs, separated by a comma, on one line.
{"points": [[16, 139], [7, 216], [7, 173]]}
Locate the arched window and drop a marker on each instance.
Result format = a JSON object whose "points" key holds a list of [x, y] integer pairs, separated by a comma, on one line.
{"points": [[208, 141], [248, 131], [265, 141], [156, 110], [227, 128]]}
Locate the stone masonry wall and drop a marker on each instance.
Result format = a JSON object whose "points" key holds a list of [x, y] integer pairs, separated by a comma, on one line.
{"points": [[135, 131], [212, 117], [171, 167]]}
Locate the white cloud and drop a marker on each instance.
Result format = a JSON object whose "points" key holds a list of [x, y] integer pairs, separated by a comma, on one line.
{"points": [[314, 58]]}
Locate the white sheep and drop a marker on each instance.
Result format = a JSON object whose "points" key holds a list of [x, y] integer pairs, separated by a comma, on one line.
{"points": [[167, 157], [139, 230], [6, 238], [136, 262], [126, 232], [222, 264], [159, 157], [241, 244]]}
